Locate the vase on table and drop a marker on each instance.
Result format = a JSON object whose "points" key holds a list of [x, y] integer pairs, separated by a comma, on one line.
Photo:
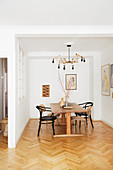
{"points": [[62, 102]]}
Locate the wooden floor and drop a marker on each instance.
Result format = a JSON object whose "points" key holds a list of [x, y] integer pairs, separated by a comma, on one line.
{"points": [[3, 141], [87, 152]]}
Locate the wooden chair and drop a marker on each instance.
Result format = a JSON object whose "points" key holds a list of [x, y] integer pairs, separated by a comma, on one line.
{"points": [[83, 119], [49, 119], [85, 105], [80, 119]]}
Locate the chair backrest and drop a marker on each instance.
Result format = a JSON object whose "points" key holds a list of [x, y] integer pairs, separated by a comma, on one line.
{"points": [[42, 109], [86, 104], [89, 110]]}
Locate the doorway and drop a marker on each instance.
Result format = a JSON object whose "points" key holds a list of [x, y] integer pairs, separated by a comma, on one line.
{"points": [[3, 100]]}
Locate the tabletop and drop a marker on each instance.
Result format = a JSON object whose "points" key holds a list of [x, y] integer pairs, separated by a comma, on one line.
{"points": [[55, 108]]}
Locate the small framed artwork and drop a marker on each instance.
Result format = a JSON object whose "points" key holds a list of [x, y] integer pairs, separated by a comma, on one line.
{"points": [[71, 81], [105, 80], [111, 75], [45, 90]]}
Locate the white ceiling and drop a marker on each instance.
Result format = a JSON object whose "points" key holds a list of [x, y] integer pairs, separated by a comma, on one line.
{"points": [[56, 12], [58, 44]]}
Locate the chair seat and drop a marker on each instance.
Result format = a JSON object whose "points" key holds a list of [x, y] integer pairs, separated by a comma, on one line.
{"points": [[48, 118], [56, 115], [78, 118], [82, 114]]}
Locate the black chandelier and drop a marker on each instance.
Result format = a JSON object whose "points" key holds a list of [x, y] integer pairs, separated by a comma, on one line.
{"points": [[70, 60]]}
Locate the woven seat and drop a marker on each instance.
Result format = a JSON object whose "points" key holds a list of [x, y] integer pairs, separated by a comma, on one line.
{"points": [[77, 118], [48, 118]]}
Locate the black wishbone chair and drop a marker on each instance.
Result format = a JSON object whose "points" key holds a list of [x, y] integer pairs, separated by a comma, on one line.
{"points": [[49, 119], [85, 105]]}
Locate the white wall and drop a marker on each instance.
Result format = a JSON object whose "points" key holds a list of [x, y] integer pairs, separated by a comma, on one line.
{"points": [[7, 50], [97, 86], [42, 71], [107, 101]]}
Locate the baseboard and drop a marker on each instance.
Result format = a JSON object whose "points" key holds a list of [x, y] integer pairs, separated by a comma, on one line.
{"points": [[21, 134], [34, 119], [107, 123], [97, 121]]}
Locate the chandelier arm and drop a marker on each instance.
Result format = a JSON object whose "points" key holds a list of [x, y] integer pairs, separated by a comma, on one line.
{"points": [[79, 55], [65, 60], [60, 61], [76, 58], [57, 57]]}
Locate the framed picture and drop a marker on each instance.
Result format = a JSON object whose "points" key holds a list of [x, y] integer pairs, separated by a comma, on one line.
{"points": [[105, 80], [111, 75], [71, 81], [45, 90]]}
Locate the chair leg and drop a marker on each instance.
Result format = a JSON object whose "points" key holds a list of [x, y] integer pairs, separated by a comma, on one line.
{"points": [[84, 127], [79, 124], [86, 120], [39, 128], [91, 122], [53, 127], [75, 122], [89, 129]]}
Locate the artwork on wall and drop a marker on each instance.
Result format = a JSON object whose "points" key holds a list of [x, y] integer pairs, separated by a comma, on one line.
{"points": [[71, 81], [45, 90], [105, 80], [111, 75]]}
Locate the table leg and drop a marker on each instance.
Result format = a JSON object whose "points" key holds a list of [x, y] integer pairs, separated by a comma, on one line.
{"points": [[68, 123]]}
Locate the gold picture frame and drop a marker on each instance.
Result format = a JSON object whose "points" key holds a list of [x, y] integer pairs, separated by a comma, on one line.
{"points": [[71, 81], [105, 80], [111, 75]]}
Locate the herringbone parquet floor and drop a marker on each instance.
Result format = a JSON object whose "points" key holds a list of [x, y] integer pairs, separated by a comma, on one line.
{"points": [[93, 152]]}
